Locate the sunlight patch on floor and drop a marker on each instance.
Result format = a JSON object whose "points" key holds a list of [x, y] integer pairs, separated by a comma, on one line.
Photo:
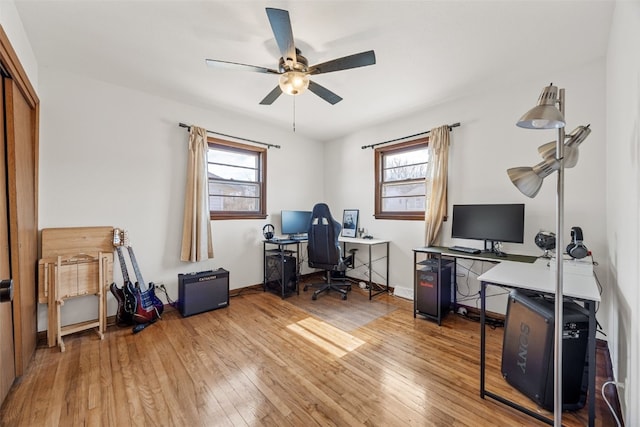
{"points": [[325, 336]]}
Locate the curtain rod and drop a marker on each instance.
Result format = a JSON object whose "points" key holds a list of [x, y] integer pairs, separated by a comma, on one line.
{"points": [[182, 125], [455, 125]]}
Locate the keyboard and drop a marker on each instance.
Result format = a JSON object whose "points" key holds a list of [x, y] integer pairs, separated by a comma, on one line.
{"points": [[465, 249]]}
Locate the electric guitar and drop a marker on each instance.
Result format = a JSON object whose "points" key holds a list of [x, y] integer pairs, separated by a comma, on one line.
{"points": [[136, 303], [148, 305], [126, 301]]}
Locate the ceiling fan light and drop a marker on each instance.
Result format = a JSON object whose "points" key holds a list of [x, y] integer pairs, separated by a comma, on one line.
{"points": [[294, 82]]}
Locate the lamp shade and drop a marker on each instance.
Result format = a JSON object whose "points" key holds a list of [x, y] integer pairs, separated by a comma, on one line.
{"points": [[529, 180], [294, 82], [571, 143], [545, 115]]}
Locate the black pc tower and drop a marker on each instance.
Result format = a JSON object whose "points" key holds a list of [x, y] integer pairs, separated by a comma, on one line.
{"points": [[203, 291], [528, 348], [427, 289], [280, 272]]}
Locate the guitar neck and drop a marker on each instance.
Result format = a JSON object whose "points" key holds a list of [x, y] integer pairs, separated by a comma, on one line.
{"points": [[123, 264], [141, 282]]}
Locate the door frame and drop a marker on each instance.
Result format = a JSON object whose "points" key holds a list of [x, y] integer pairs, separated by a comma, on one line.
{"points": [[24, 340]]}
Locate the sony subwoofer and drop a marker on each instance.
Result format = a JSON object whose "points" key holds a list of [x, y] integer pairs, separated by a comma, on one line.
{"points": [[528, 347]]}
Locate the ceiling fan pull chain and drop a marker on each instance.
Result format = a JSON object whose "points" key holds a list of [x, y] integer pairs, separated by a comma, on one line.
{"points": [[294, 113]]}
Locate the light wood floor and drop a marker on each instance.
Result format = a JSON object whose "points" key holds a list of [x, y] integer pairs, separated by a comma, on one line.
{"points": [[263, 361]]}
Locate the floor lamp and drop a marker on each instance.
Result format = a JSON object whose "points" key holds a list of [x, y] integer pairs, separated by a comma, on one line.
{"points": [[556, 156]]}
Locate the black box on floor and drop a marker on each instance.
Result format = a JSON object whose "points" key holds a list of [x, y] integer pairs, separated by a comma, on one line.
{"points": [[281, 271], [203, 291], [528, 347], [427, 289]]}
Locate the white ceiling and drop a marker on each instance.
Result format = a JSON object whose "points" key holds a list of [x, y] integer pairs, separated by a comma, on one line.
{"points": [[427, 52]]}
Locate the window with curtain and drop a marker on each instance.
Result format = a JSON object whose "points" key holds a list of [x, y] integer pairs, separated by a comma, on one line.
{"points": [[400, 172], [237, 180]]}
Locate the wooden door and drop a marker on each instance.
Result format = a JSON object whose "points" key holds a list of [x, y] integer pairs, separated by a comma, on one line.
{"points": [[21, 164], [7, 365]]}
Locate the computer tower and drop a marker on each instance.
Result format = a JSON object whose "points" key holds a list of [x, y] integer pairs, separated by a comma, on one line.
{"points": [[528, 347], [427, 302], [203, 291], [280, 271]]}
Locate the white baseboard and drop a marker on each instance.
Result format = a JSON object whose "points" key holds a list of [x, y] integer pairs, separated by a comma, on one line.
{"points": [[403, 292]]}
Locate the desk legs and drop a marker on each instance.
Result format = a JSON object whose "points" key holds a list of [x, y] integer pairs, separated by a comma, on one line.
{"points": [[483, 391], [591, 357], [379, 289], [483, 337]]}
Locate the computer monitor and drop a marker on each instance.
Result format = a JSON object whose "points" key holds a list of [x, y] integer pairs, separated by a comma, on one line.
{"points": [[295, 224], [491, 222]]}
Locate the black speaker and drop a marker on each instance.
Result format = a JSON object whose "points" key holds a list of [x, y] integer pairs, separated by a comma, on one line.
{"points": [[280, 270], [203, 291], [427, 302], [577, 249], [527, 352]]}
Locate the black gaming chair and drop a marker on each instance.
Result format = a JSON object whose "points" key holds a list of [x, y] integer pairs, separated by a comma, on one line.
{"points": [[324, 250]]}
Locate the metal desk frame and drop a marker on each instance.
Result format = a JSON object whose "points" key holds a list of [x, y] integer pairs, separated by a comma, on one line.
{"points": [[370, 243], [537, 278]]}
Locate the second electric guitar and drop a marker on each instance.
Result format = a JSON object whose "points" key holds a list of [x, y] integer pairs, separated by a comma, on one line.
{"points": [[148, 305], [136, 303], [126, 301]]}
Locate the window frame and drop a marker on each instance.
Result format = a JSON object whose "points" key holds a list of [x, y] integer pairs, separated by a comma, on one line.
{"points": [[262, 172], [380, 152]]}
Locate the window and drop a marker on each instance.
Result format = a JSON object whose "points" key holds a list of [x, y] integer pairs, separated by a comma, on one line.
{"points": [[400, 180], [237, 184]]}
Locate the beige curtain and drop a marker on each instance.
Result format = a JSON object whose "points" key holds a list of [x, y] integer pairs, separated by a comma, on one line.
{"points": [[436, 183], [197, 244]]}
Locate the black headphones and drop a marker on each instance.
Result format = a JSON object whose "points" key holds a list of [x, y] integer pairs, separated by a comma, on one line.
{"points": [[267, 231], [576, 248]]}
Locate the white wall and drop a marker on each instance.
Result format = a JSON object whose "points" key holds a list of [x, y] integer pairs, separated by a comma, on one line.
{"points": [[623, 202], [114, 156], [12, 26], [485, 145]]}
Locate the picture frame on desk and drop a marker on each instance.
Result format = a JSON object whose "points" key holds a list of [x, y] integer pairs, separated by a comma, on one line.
{"points": [[350, 222]]}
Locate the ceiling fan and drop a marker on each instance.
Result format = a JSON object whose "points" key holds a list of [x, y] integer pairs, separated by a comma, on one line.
{"points": [[293, 68]]}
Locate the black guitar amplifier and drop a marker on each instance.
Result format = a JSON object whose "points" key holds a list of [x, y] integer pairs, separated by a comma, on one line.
{"points": [[203, 291]]}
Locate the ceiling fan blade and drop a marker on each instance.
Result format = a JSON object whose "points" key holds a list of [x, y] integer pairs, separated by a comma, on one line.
{"points": [[214, 63], [281, 26], [361, 59], [272, 96], [324, 93]]}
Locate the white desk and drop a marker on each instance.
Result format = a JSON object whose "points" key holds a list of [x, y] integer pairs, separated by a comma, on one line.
{"points": [[540, 278], [370, 243]]}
